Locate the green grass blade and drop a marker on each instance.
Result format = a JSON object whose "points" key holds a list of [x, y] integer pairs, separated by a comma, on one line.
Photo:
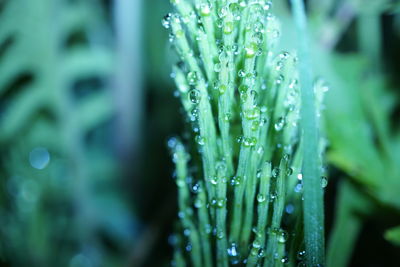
{"points": [[313, 194]]}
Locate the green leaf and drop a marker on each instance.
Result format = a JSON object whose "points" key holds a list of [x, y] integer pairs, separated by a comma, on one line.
{"points": [[393, 235]]}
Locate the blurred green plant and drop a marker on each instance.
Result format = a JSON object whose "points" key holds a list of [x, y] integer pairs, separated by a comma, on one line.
{"points": [[56, 204], [242, 169], [362, 141]]}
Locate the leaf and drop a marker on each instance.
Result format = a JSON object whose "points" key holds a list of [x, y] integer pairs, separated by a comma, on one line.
{"points": [[393, 235]]}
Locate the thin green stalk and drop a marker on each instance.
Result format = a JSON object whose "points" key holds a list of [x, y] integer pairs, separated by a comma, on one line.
{"points": [[179, 259], [199, 97], [250, 112], [277, 237], [262, 210], [222, 244], [204, 226], [250, 194], [181, 158], [350, 205], [313, 194]]}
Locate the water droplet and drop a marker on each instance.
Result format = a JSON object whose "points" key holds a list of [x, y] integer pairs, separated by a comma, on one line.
{"points": [[279, 124], [227, 117], [301, 255], [300, 176], [166, 21], [252, 114], [289, 208], [205, 9], [289, 171], [280, 79], [298, 188], [267, 6], [222, 89], [258, 27], [214, 180], [223, 12], [232, 250], [228, 27], [171, 37], [243, 89], [194, 96], [241, 73], [221, 202], [39, 158], [293, 84], [281, 235], [261, 198], [260, 150], [233, 254], [217, 67], [251, 50], [220, 235], [249, 141], [324, 181], [236, 180], [235, 10], [284, 259], [272, 197], [198, 203], [192, 78], [275, 172], [186, 232], [255, 125], [256, 244], [196, 188], [200, 140], [258, 37]]}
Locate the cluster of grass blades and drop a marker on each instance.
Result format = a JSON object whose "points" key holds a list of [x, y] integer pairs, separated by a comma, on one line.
{"points": [[248, 170]]}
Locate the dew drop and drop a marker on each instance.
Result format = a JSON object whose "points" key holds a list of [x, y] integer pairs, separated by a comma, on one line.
{"points": [[39, 158], [194, 96], [221, 202], [301, 255], [227, 117], [192, 78], [236, 180], [289, 208], [252, 114], [214, 180], [166, 21], [249, 141], [200, 140], [198, 203], [228, 27], [298, 188], [324, 182], [251, 50], [282, 236], [205, 9], [279, 124], [217, 67], [275, 172], [261, 198]]}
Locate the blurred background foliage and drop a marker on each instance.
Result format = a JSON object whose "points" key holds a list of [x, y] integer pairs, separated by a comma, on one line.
{"points": [[86, 107]]}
